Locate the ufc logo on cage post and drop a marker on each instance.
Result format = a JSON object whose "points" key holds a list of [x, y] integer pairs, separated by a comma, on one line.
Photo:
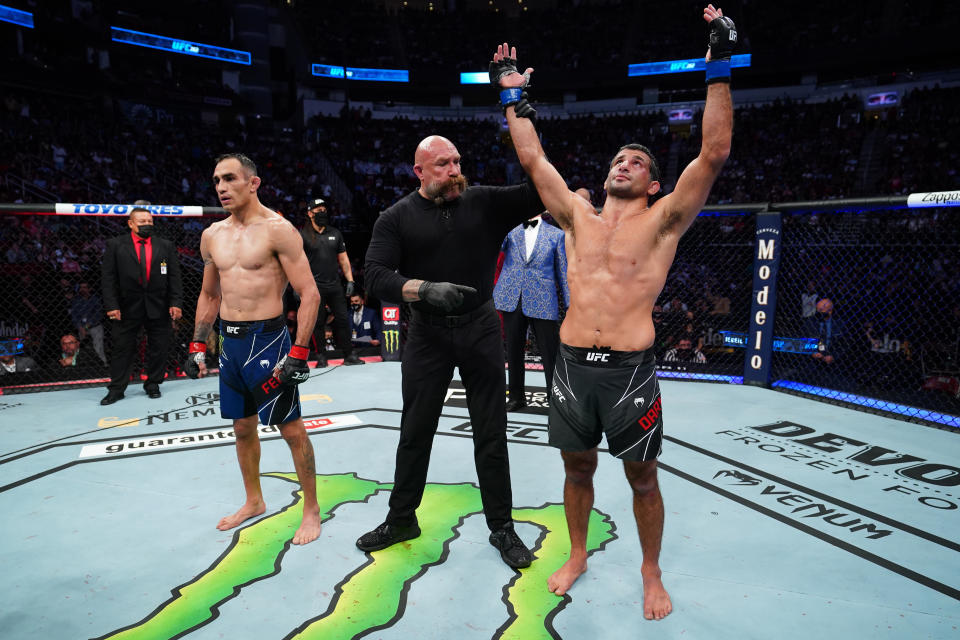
{"points": [[766, 263]]}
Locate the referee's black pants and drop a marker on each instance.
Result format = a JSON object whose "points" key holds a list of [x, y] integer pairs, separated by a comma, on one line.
{"points": [[548, 341], [430, 354]]}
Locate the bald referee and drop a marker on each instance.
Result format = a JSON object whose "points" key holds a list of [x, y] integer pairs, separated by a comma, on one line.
{"points": [[437, 248]]}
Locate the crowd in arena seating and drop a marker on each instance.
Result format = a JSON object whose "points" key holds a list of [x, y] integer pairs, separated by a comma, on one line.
{"points": [[783, 151]]}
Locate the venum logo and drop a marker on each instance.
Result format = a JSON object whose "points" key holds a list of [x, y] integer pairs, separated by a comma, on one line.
{"points": [[265, 364], [808, 507], [638, 402], [742, 479], [596, 356]]}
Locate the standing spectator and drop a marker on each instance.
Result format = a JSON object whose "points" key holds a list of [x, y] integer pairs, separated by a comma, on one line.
{"points": [[830, 333], [86, 312], [526, 293], [141, 288], [326, 251], [364, 323], [808, 306]]}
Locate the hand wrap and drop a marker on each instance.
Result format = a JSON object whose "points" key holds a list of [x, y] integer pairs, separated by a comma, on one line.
{"points": [[195, 357]]}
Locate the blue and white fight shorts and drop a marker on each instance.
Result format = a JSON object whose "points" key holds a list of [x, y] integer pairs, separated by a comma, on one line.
{"points": [[249, 351]]}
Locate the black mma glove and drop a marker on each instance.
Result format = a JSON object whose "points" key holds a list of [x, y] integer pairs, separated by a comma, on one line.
{"points": [[512, 95], [292, 368], [351, 287], [503, 68], [523, 108], [195, 357], [723, 38], [444, 295]]}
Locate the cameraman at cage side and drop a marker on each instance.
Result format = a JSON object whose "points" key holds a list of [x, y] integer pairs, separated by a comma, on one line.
{"points": [[326, 250]]}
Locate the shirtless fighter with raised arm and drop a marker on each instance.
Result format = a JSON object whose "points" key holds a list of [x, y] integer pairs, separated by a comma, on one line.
{"points": [[247, 260], [605, 380]]}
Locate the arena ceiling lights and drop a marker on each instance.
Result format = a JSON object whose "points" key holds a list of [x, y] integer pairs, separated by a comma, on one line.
{"points": [[176, 45], [358, 73], [16, 16], [680, 66], [640, 69]]}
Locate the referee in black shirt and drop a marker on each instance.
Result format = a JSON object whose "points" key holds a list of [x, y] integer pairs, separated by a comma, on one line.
{"points": [[437, 248], [326, 250]]}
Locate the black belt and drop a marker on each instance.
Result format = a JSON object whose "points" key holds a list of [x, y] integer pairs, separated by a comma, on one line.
{"points": [[240, 328], [452, 322]]}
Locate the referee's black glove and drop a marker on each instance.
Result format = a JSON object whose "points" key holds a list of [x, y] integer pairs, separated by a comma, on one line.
{"points": [[445, 295]]}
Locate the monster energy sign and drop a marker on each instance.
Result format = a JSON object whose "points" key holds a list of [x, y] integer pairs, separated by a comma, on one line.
{"points": [[391, 340], [372, 596], [390, 345]]}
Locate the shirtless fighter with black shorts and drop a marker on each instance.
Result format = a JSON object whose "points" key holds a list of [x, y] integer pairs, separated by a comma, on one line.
{"points": [[605, 381]]}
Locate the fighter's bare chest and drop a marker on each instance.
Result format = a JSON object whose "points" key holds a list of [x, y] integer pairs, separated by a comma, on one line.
{"points": [[240, 249], [609, 245]]}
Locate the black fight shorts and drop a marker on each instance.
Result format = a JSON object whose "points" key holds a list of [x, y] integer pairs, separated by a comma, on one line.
{"points": [[599, 391]]}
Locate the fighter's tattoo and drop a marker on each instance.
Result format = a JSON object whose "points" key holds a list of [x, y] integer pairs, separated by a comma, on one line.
{"points": [[309, 464], [201, 331]]}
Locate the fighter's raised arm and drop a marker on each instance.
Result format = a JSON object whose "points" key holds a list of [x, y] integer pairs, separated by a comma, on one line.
{"points": [[695, 182], [551, 186]]}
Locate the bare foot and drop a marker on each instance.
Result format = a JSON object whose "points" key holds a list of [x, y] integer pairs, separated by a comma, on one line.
{"points": [[245, 512], [564, 577], [309, 528], [656, 601]]}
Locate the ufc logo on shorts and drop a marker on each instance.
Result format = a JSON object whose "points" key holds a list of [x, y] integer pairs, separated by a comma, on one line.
{"points": [[594, 356], [391, 314], [233, 329]]}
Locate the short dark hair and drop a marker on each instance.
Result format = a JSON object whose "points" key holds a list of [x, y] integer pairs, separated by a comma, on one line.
{"points": [[139, 205], [633, 146], [245, 161]]}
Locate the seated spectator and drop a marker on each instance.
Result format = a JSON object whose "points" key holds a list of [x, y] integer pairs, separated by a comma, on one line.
{"points": [[684, 352], [77, 361], [11, 363]]}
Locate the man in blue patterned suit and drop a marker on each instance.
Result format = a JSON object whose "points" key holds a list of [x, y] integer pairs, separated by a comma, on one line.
{"points": [[534, 268]]}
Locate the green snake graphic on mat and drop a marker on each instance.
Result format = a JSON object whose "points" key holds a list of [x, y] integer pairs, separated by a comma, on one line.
{"points": [[373, 596]]}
